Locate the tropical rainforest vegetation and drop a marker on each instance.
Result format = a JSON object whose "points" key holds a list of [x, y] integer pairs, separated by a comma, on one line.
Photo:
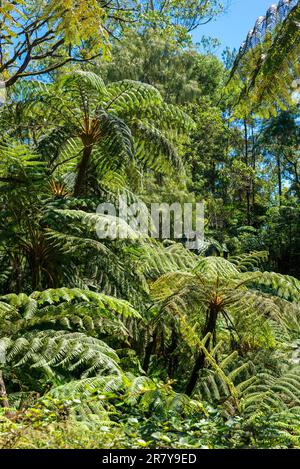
{"points": [[139, 342]]}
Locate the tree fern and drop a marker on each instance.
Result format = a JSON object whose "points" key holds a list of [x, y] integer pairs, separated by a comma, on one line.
{"points": [[216, 291], [114, 123]]}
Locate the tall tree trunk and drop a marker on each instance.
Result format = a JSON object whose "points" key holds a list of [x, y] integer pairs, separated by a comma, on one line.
{"points": [[82, 170], [248, 187], [209, 328], [297, 179], [213, 178], [278, 162], [248, 194], [253, 165]]}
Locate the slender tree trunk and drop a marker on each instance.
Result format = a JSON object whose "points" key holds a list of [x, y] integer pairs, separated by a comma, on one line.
{"points": [[248, 193], [248, 188], [159, 179], [3, 394], [210, 328], [82, 170], [36, 272], [18, 274], [213, 178], [148, 352], [278, 162], [253, 166], [297, 179]]}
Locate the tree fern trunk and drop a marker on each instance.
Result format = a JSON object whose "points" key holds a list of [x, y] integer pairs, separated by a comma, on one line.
{"points": [[82, 170], [199, 365], [173, 359], [36, 273], [210, 328], [148, 352]]}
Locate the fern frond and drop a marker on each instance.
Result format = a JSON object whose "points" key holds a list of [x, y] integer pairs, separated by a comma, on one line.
{"points": [[249, 261], [60, 350]]}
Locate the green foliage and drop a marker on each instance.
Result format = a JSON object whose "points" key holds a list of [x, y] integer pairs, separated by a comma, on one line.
{"points": [[125, 341], [181, 74], [57, 333], [103, 128]]}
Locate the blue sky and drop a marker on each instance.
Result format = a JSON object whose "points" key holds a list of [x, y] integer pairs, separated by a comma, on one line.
{"points": [[232, 27]]}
